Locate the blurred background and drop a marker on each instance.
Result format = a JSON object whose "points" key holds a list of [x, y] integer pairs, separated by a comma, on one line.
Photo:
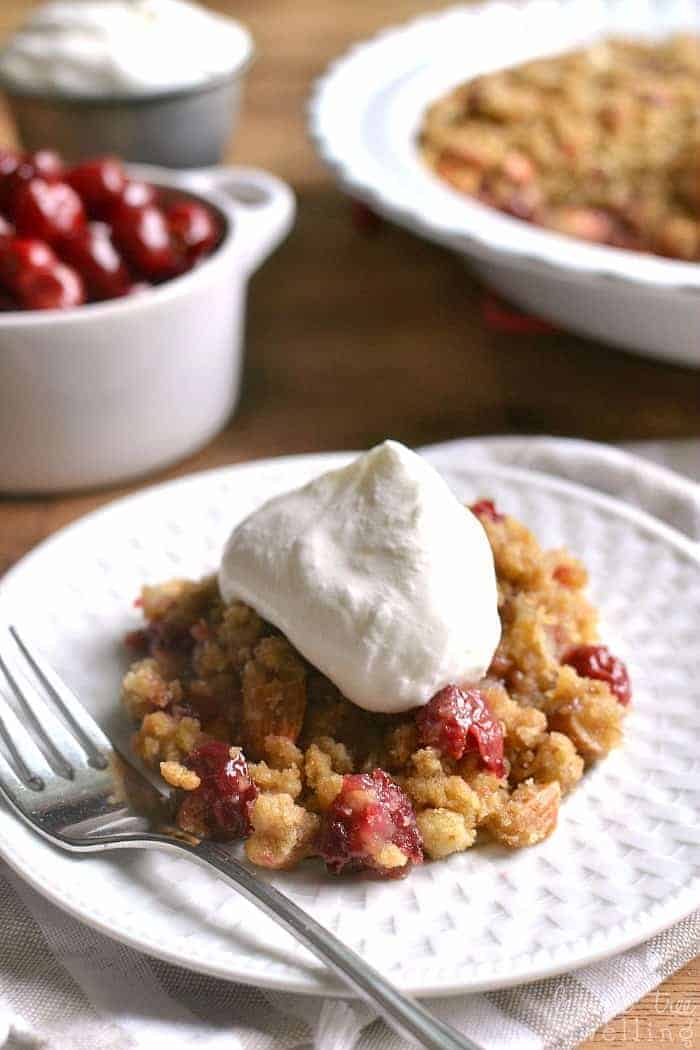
{"points": [[357, 329]]}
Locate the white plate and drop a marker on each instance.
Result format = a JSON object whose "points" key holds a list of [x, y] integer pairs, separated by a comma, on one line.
{"points": [[367, 109], [624, 862]]}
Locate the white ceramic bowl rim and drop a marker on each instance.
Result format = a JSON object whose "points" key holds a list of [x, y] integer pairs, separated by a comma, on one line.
{"points": [[461, 223], [159, 293]]}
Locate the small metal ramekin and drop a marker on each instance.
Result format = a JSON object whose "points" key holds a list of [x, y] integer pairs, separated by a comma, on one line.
{"points": [[180, 128]]}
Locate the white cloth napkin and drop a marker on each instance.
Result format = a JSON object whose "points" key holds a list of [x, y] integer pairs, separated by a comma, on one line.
{"points": [[65, 987]]}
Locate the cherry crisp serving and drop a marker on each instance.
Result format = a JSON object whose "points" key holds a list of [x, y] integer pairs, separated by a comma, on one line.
{"points": [[259, 745]]}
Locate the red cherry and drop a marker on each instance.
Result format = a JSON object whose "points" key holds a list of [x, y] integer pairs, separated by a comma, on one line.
{"points": [[137, 194], [193, 227], [36, 278], [21, 169], [9, 163], [142, 235], [48, 210], [457, 721], [91, 252], [6, 228], [370, 812], [596, 661], [134, 196], [20, 255], [46, 163], [99, 182], [226, 794], [56, 287]]}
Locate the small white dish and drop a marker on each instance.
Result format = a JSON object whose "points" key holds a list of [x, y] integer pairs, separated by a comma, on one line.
{"points": [[365, 114], [109, 391], [623, 863]]}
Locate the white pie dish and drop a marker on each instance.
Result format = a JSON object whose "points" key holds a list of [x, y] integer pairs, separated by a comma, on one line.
{"points": [[109, 391], [367, 109], [623, 863]]}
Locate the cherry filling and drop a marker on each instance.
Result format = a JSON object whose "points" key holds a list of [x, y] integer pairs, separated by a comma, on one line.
{"points": [[225, 797], [457, 721], [596, 661], [486, 508], [369, 816]]}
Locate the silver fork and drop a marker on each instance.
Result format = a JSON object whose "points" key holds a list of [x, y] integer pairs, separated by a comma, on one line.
{"points": [[65, 779]]}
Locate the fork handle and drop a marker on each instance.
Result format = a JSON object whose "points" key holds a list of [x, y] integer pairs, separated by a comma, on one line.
{"points": [[407, 1017]]}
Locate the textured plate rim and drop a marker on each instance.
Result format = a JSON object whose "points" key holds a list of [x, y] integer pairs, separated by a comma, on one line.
{"points": [[586, 950], [547, 251]]}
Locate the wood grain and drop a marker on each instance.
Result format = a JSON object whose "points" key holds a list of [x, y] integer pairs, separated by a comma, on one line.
{"points": [[353, 336]]}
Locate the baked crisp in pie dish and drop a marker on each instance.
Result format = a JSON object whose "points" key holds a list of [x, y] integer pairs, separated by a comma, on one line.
{"points": [[260, 744], [602, 144]]}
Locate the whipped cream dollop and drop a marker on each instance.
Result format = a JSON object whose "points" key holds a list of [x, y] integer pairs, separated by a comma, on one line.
{"points": [[103, 47], [377, 575]]}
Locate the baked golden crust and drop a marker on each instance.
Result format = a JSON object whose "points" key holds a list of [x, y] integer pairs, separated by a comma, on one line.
{"points": [[283, 833]]}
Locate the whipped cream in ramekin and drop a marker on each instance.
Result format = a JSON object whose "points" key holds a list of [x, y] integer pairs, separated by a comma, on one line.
{"points": [[377, 575], [122, 47]]}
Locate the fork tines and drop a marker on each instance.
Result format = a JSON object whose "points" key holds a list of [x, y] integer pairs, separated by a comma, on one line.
{"points": [[38, 743]]}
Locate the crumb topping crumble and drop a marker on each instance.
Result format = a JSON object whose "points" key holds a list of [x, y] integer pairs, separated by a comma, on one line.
{"points": [[258, 745]]}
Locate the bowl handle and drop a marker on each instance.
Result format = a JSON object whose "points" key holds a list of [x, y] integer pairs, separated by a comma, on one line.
{"points": [[263, 207]]}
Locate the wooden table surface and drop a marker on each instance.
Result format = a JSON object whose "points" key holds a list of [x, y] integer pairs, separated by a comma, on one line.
{"points": [[353, 336]]}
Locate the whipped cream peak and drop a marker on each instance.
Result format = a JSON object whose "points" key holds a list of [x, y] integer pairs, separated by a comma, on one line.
{"points": [[103, 47], [377, 575]]}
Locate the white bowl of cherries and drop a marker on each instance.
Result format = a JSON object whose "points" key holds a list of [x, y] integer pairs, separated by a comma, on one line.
{"points": [[122, 300]]}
